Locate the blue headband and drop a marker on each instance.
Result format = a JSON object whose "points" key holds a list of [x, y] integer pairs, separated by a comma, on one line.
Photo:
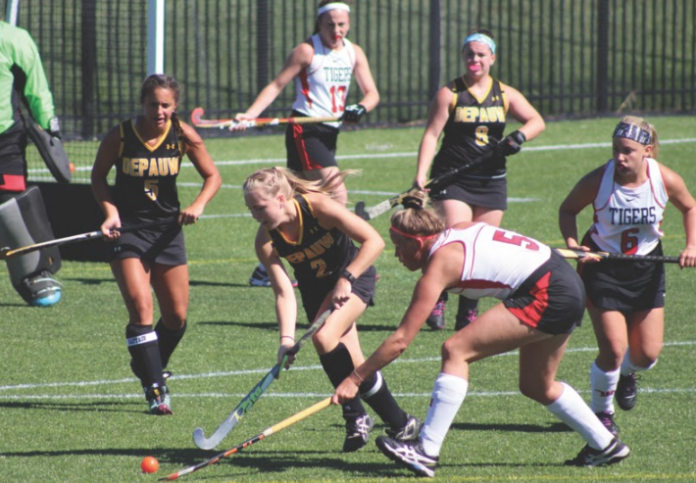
{"points": [[633, 132], [480, 38]]}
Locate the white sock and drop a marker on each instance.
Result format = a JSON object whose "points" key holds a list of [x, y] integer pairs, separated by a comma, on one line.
{"points": [[448, 395], [628, 367], [262, 268], [603, 386], [572, 410]]}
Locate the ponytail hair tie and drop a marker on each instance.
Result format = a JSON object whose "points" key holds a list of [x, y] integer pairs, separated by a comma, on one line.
{"points": [[415, 199]]}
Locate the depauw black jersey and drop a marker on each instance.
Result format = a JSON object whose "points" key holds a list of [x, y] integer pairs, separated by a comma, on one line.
{"points": [[473, 128], [145, 187], [319, 254]]}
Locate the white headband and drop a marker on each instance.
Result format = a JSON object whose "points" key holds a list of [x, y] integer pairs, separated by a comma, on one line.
{"points": [[484, 39], [333, 6]]}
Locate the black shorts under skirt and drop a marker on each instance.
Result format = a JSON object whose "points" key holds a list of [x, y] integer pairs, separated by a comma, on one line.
{"points": [[624, 285], [488, 192], [163, 246]]}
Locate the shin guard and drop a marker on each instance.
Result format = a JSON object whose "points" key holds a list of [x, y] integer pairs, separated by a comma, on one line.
{"points": [[145, 355]]}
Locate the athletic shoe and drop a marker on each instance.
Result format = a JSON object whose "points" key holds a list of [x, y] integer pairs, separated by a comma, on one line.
{"points": [[607, 420], [41, 290], [357, 433], [409, 454], [615, 452], [436, 319], [462, 322], [627, 392], [409, 432], [158, 400], [259, 278]]}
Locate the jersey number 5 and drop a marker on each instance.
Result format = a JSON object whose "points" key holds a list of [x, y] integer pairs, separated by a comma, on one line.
{"points": [[513, 239], [151, 188]]}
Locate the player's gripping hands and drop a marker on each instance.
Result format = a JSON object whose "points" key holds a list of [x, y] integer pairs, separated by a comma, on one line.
{"points": [[511, 144], [354, 113]]}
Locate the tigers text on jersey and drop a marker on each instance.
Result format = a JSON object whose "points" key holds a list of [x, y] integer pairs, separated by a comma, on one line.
{"points": [[474, 126], [318, 253], [146, 175], [322, 88], [496, 261], [628, 220]]}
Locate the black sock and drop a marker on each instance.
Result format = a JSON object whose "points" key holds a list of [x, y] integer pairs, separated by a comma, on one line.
{"points": [[168, 340], [465, 305], [374, 391], [144, 350], [338, 365]]}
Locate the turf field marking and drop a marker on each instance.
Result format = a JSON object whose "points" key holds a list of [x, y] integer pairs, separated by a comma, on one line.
{"points": [[282, 161], [352, 192], [555, 147], [593, 476], [288, 395], [304, 368]]}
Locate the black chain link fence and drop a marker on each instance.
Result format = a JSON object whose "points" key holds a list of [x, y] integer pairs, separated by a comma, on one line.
{"points": [[571, 58]]}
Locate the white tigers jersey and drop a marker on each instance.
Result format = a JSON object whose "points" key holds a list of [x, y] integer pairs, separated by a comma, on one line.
{"points": [[628, 220], [496, 261], [322, 88]]}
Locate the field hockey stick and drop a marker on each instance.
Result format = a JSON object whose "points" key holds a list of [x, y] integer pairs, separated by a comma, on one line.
{"points": [[6, 253], [198, 121], [579, 254], [386, 205], [267, 432], [254, 395]]}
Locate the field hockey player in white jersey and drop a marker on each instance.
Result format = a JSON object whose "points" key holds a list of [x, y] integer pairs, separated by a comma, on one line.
{"points": [[541, 302], [322, 67], [626, 299]]}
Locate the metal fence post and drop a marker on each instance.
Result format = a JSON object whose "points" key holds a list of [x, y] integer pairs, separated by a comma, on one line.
{"points": [[263, 44], [435, 39], [89, 64], [602, 56]]}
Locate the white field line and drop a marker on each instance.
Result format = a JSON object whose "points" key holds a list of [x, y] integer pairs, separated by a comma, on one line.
{"points": [[111, 382], [281, 161], [286, 395], [556, 147]]}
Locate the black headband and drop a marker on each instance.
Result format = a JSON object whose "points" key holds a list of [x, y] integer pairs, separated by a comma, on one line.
{"points": [[633, 132]]}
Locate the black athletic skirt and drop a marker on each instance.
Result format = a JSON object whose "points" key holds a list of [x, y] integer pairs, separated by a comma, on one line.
{"points": [[313, 293], [310, 146], [485, 192], [162, 245], [624, 285], [551, 300]]}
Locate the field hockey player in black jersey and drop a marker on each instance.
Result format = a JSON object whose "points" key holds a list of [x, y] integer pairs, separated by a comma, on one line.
{"points": [[146, 152], [301, 222], [472, 112]]}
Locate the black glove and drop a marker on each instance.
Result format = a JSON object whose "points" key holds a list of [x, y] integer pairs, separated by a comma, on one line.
{"points": [[354, 112], [512, 144], [54, 128]]}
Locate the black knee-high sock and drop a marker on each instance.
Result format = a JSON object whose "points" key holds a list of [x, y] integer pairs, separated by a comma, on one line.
{"points": [[168, 340], [338, 365], [144, 350], [374, 391], [465, 305]]}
